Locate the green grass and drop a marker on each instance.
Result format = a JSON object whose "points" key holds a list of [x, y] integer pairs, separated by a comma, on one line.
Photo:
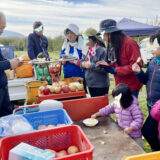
{"points": [[141, 97]]}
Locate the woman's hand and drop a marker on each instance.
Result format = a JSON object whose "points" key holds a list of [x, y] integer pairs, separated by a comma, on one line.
{"points": [[128, 130], [136, 68], [102, 62], [63, 63], [86, 65]]}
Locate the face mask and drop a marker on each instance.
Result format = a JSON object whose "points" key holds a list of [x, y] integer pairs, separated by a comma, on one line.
{"points": [[153, 46], [117, 100], [102, 33], [41, 59], [40, 28], [85, 38]]}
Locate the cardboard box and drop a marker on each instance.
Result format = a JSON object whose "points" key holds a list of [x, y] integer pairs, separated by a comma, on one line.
{"points": [[24, 151]]}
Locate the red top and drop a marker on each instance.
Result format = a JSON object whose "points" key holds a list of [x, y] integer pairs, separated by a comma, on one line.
{"points": [[128, 55]]}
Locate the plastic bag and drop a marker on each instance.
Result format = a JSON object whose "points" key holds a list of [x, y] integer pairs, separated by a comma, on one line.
{"points": [[14, 124]]}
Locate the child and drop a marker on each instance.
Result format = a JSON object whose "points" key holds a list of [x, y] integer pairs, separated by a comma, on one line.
{"points": [[155, 113], [42, 69], [151, 78], [128, 113]]}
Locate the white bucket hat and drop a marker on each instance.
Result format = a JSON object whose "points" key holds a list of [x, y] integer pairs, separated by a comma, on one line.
{"points": [[72, 27]]}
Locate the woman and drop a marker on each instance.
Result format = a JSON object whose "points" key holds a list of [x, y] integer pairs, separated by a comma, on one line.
{"points": [[122, 52], [96, 78], [72, 47]]}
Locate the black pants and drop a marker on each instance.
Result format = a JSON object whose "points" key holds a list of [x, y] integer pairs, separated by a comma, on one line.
{"points": [[94, 92], [150, 132], [5, 104]]}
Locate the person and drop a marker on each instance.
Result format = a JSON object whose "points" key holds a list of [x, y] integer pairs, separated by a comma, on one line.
{"points": [[42, 72], [72, 47], [5, 104], [151, 78], [155, 114], [97, 79], [122, 52], [128, 113], [37, 42]]}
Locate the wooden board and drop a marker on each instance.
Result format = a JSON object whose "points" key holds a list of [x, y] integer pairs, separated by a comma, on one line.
{"points": [[116, 145]]}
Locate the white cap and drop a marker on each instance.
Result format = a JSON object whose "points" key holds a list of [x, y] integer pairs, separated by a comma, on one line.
{"points": [[72, 27]]}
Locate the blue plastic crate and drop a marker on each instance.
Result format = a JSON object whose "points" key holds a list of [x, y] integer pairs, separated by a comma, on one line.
{"points": [[52, 117]]}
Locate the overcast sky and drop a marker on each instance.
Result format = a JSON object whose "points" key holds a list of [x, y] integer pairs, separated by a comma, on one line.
{"points": [[57, 14]]}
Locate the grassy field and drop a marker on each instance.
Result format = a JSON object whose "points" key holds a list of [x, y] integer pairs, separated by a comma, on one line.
{"points": [[141, 98]]}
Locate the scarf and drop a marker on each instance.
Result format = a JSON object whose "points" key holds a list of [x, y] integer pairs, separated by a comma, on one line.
{"points": [[92, 52], [76, 45]]}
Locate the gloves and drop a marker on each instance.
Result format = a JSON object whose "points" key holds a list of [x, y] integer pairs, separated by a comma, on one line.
{"points": [[15, 63], [111, 70]]}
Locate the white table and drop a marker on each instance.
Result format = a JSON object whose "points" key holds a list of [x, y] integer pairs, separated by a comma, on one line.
{"points": [[16, 87]]}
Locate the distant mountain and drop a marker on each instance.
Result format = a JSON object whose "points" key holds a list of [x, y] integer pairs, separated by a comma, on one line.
{"points": [[12, 34]]}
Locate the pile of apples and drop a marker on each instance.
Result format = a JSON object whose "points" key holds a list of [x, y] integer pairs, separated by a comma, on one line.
{"points": [[60, 87], [70, 150], [49, 126]]}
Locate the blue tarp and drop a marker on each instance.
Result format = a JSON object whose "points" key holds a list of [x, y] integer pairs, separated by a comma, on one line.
{"points": [[133, 28]]}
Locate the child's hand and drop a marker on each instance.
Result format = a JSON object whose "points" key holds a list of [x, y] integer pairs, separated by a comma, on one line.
{"points": [[94, 116], [128, 130], [44, 79], [136, 68]]}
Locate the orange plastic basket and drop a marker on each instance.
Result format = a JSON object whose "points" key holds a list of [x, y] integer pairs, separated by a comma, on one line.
{"points": [[56, 139], [145, 156]]}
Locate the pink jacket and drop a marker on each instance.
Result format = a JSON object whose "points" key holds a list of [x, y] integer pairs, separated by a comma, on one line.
{"points": [[155, 113], [129, 117]]}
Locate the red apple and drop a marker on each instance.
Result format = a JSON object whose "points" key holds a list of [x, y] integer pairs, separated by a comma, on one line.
{"points": [[46, 90], [50, 150], [60, 125], [72, 87], [52, 89], [42, 127], [61, 83], [80, 87], [72, 149], [55, 84], [50, 126], [65, 88], [41, 89], [61, 153], [57, 89]]}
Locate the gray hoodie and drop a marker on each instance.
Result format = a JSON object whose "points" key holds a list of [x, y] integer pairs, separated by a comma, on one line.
{"points": [[96, 77]]}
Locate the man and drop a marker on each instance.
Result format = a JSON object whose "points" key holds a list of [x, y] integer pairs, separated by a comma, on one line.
{"points": [[37, 42], [5, 105]]}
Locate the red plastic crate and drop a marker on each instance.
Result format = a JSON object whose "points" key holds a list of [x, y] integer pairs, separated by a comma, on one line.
{"points": [[82, 108], [56, 139], [61, 95]]}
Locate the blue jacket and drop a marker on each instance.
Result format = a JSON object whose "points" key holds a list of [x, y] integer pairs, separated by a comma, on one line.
{"points": [[36, 44], [70, 69], [4, 64], [151, 78]]}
